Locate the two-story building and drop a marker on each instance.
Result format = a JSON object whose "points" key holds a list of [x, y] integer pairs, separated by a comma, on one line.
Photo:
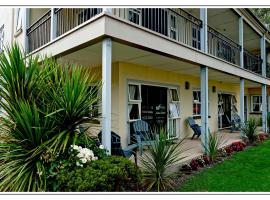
{"points": [[161, 65]]}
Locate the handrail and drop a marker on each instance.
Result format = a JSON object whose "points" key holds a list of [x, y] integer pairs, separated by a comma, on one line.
{"points": [[252, 55], [39, 19], [196, 19], [224, 38]]}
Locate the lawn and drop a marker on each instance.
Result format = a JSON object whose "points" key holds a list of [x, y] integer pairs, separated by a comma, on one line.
{"points": [[247, 171]]}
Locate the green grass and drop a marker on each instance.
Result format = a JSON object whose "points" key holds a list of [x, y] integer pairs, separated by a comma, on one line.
{"points": [[247, 171]]}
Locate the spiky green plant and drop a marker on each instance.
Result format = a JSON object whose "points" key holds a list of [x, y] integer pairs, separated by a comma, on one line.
{"points": [[250, 130], [43, 103], [159, 159], [214, 143]]}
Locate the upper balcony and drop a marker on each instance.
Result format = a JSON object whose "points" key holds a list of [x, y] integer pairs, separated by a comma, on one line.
{"points": [[180, 25]]}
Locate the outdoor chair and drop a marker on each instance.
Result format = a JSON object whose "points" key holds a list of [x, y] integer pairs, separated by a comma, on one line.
{"points": [[116, 148], [143, 134], [195, 127], [235, 122]]}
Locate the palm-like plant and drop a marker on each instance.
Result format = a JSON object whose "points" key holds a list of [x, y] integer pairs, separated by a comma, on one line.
{"points": [[158, 161], [250, 130], [214, 143], [42, 103]]}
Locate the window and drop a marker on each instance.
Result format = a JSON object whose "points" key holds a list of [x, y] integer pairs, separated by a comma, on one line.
{"points": [[1, 38], [172, 26], [18, 19], [174, 113], [134, 101], [256, 103], [196, 37], [196, 102], [134, 15]]}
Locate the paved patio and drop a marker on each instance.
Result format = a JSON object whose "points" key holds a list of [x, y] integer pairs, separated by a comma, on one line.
{"points": [[193, 148]]}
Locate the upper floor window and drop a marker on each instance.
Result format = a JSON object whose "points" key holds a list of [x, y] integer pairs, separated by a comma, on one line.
{"points": [[196, 37], [134, 15], [18, 19], [1, 38], [256, 103]]}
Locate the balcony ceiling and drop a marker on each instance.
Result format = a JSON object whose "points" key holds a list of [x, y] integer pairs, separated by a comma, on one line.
{"points": [[226, 22], [91, 57]]}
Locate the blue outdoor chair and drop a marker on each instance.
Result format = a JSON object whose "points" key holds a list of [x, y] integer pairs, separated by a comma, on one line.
{"points": [[116, 148], [235, 122], [143, 134], [195, 127]]}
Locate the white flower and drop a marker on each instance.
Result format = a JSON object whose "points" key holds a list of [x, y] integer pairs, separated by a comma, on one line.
{"points": [[101, 146], [95, 158], [77, 163], [84, 160]]}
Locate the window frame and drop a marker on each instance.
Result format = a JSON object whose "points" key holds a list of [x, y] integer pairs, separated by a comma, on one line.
{"points": [[18, 27], [252, 103], [134, 102], [197, 103]]}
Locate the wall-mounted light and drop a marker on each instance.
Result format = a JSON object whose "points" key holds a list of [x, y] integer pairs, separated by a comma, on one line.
{"points": [[214, 89], [186, 85]]}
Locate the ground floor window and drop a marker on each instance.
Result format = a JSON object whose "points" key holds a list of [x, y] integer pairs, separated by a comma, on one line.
{"points": [[196, 102], [159, 106], [256, 103]]}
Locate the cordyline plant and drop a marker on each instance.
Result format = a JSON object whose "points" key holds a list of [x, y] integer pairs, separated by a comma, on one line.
{"points": [[42, 105], [158, 162]]}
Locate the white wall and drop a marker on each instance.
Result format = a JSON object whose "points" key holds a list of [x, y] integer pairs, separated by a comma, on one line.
{"points": [[6, 19]]}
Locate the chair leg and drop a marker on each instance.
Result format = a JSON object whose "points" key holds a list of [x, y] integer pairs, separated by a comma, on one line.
{"points": [[193, 136]]}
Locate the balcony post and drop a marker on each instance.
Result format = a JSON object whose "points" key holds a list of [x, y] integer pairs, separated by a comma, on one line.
{"points": [[25, 25], [204, 107], [204, 30], [106, 92], [264, 108], [242, 81], [53, 24], [263, 56]]}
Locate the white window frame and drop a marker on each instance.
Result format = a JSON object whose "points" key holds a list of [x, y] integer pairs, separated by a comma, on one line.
{"points": [[135, 11], [134, 102], [170, 119], [170, 27], [197, 103], [260, 103], [18, 27]]}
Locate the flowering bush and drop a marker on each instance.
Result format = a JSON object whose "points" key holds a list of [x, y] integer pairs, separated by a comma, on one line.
{"points": [[200, 162], [206, 159], [223, 152], [229, 150], [186, 168], [237, 146], [262, 137], [194, 164], [82, 155], [113, 173]]}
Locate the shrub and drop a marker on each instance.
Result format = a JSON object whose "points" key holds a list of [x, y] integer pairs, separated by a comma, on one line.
{"points": [[206, 159], [262, 137], [113, 173], [157, 162], [200, 162], [214, 142], [249, 130], [229, 150], [44, 105], [237, 146], [194, 164]]}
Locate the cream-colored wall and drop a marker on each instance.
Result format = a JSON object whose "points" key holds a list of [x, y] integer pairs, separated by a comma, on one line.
{"points": [[150, 75]]}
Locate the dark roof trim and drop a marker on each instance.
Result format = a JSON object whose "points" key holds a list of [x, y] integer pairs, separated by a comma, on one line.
{"points": [[257, 19]]}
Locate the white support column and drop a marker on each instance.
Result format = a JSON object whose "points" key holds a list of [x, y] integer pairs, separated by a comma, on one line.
{"points": [[264, 108], [204, 107], [241, 41], [242, 101], [106, 92], [25, 25], [263, 56], [53, 24], [242, 81], [204, 30]]}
